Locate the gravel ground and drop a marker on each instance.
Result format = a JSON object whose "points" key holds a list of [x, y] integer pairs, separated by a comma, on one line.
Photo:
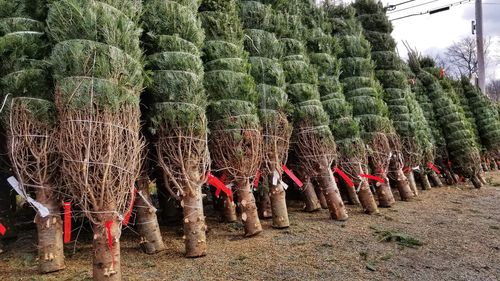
{"points": [[459, 228]]}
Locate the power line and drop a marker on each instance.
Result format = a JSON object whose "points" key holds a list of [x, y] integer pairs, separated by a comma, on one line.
{"points": [[411, 7], [393, 6], [434, 11]]}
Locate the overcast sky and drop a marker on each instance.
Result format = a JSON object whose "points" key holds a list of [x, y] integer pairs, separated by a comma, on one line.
{"points": [[431, 34]]}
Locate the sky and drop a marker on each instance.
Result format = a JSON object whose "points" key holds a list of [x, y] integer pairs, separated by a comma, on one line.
{"points": [[432, 34]]}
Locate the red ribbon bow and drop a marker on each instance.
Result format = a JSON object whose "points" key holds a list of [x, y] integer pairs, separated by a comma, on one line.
{"points": [[220, 186], [430, 165]]}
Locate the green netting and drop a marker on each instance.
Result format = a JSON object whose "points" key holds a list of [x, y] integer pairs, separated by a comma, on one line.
{"points": [[181, 21], [214, 50], [354, 46], [174, 85], [225, 84], [356, 66], [93, 20], [227, 109], [267, 71], [222, 25], [272, 97], [260, 43], [300, 92], [90, 58], [233, 64], [15, 24], [175, 61], [299, 72], [84, 92]]}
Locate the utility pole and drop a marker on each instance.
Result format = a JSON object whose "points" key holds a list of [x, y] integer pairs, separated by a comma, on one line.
{"points": [[479, 43]]}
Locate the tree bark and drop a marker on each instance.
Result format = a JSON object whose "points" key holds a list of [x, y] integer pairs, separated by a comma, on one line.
{"points": [[147, 221], [384, 192], [229, 209], [485, 166], [332, 194], [312, 203], [476, 182], [411, 181], [424, 180], [494, 166], [435, 179], [366, 198], [278, 205], [449, 177], [248, 208], [265, 210], [402, 184], [194, 224], [50, 237], [106, 260], [319, 194], [482, 179]]}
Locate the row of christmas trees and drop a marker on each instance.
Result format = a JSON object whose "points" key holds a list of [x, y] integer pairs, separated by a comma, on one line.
{"points": [[240, 88]]}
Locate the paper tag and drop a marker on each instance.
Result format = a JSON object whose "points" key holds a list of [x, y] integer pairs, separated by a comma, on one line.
{"points": [[416, 168], [42, 210], [15, 184], [285, 186], [276, 177]]}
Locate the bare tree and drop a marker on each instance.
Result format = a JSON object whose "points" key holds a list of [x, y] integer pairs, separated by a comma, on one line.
{"points": [[493, 90], [462, 56]]}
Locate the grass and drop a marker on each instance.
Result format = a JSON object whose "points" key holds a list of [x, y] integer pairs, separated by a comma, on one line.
{"points": [[400, 238]]}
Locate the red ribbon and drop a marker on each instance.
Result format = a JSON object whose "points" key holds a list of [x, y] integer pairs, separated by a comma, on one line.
{"points": [[462, 179], [108, 225], [220, 186], [223, 177], [2, 229], [430, 165], [371, 177], [292, 175], [406, 169], [126, 219], [67, 222], [344, 176], [256, 180]]}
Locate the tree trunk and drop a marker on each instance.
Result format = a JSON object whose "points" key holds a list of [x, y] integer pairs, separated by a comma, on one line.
{"points": [[352, 197], [384, 192], [485, 166], [424, 180], [319, 194], [50, 237], [494, 166], [311, 199], [366, 198], [449, 177], [106, 260], [248, 208], [147, 221], [435, 179], [482, 179], [265, 211], [411, 181], [476, 182], [278, 205], [229, 209], [332, 194], [194, 224], [403, 185]]}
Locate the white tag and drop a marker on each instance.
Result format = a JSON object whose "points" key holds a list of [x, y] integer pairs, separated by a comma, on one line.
{"points": [[416, 168], [276, 177], [42, 210], [146, 200], [15, 184], [285, 186]]}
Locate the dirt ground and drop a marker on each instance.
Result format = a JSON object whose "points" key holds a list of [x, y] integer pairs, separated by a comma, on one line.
{"points": [[459, 228]]}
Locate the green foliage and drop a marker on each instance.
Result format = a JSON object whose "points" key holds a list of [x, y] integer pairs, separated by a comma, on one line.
{"points": [[267, 71], [260, 43], [222, 25], [255, 15], [380, 41], [297, 71], [178, 115], [226, 84]]}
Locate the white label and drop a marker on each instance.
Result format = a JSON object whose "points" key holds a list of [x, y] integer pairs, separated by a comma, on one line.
{"points": [[42, 210], [285, 186], [276, 177]]}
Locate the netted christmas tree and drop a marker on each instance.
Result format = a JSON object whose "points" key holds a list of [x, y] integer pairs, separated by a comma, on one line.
{"points": [[99, 76], [235, 132], [352, 159], [265, 52], [460, 141], [364, 95], [313, 142], [389, 72], [177, 113], [487, 123], [29, 117]]}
